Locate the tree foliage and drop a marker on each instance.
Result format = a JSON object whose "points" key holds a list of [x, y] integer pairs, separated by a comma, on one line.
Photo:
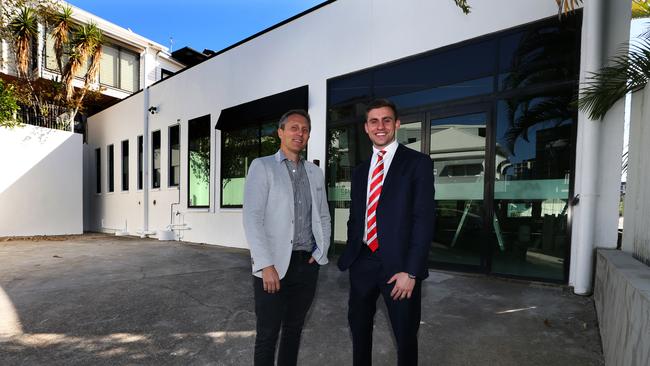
{"points": [[74, 46], [8, 105]]}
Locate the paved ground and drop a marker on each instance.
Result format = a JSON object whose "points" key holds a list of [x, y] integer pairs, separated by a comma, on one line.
{"points": [[103, 300]]}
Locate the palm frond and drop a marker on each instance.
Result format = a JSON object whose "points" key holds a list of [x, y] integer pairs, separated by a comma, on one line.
{"points": [[566, 6], [640, 9], [627, 72], [462, 4], [86, 42]]}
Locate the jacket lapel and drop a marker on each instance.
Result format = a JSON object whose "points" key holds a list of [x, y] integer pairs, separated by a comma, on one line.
{"points": [[393, 171]]}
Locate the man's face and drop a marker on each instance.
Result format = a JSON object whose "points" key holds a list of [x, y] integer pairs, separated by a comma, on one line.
{"points": [[381, 126], [295, 134]]}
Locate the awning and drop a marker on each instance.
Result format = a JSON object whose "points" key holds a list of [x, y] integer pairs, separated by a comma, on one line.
{"points": [[273, 106]]}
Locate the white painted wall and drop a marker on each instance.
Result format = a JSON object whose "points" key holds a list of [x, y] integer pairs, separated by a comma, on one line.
{"points": [[636, 233], [340, 38], [41, 182]]}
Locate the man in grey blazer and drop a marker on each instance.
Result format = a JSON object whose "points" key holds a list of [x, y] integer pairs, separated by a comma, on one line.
{"points": [[287, 226]]}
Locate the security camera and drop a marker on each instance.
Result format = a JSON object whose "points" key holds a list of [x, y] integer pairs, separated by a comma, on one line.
{"points": [[153, 110]]}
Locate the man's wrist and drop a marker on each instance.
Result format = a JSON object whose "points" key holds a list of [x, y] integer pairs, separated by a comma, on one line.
{"points": [[411, 276]]}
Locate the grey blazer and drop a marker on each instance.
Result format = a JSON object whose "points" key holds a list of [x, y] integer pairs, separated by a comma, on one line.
{"points": [[269, 214]]}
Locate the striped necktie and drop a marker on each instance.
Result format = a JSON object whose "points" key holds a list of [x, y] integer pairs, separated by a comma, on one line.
{"points": [[373, 200]]}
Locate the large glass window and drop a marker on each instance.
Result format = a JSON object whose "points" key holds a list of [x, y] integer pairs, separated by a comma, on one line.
{"points": [[495, 115], [111, 168], [198, 150], [109, 67], [533, 164], [174, 156], [118, 67], [155, 157], [239, 149], [125, 165]]}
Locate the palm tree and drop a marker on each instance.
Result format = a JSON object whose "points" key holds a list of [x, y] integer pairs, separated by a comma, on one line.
{"points": [[24, 28], [86, 44], [62, 26]]}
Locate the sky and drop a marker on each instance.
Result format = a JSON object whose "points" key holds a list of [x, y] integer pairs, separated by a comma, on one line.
{"points": [[199, 24]]}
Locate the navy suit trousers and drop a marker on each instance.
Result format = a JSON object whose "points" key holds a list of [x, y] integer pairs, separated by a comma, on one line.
{"points": [[368, 280]]}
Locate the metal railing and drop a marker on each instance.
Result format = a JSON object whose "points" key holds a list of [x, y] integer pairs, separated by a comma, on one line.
{"points": [[52, 116]]}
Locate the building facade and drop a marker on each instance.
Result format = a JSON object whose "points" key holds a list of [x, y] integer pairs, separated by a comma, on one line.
{"points": [[129, 61], [521, 185]]}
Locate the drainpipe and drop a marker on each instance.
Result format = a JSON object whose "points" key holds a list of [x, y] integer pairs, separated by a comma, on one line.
{"points": [[145, 146], [587, 160]]}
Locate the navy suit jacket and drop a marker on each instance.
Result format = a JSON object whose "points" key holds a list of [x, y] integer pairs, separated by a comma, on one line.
{"points": [[405, 214]]}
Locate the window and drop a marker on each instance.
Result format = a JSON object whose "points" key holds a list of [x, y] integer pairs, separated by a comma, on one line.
{"points": [[125, 165], [98, 170], [174, 156], [198, 158], [239, 149], [111, 171], [155, 155], [119, 68], [140, 161]]}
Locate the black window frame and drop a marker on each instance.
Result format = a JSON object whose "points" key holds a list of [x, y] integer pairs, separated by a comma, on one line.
{"points": [[110, 157], [140, 162], [125, 172], [153, 152], [205, 119], [98, 170], [170, 167]]}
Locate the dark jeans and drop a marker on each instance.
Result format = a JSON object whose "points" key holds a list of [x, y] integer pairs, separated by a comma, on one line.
{"points": [[367, 281], [284, 310]]}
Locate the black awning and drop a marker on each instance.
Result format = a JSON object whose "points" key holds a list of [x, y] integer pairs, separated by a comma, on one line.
{"points": [[273, 106]]}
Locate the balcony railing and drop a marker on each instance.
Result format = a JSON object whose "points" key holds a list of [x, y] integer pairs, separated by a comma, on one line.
{"points": [[52, 116]]}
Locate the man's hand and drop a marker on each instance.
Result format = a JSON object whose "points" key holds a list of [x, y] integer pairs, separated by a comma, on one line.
{"points": [[311, 260], [270, 279], [403, 286]]}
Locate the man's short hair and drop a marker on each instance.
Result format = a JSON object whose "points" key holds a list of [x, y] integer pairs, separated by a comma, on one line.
{"points": [[300, 112], [380, 103]]}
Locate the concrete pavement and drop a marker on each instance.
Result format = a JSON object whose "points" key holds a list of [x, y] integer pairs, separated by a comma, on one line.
{"points": [[104, 300]]}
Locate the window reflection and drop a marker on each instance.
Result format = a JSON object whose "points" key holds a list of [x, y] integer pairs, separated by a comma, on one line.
{"points": [[198, 149], [534, 157], [240, 148]]}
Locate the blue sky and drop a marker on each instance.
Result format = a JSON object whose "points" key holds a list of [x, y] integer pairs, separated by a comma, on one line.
{"points": [[198, 24]]}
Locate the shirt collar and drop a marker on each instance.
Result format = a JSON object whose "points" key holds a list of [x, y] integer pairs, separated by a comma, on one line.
{"points": [[389, 149], [284, 157]]}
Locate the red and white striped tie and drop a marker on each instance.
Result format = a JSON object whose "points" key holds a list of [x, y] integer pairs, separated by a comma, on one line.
{"points": [[373, 200]]}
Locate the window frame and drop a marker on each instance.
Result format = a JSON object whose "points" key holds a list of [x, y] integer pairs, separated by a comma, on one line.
{"points": [[125, 174], [170, 170], [110, 166], [208, 119], [153, 169], [98, 170]]}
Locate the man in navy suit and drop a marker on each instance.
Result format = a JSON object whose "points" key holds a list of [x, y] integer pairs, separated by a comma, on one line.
{"points": [[390, 230]]}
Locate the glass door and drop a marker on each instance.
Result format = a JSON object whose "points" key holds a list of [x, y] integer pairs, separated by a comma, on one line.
{"points": [[457, 145]]}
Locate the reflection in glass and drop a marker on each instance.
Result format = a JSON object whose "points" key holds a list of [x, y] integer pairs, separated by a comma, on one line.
{"points": [[347, 147], [458, 154], [174, 156], [531, 190], [198, 150], [155, 156], [240, 148], [410, 135]]}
